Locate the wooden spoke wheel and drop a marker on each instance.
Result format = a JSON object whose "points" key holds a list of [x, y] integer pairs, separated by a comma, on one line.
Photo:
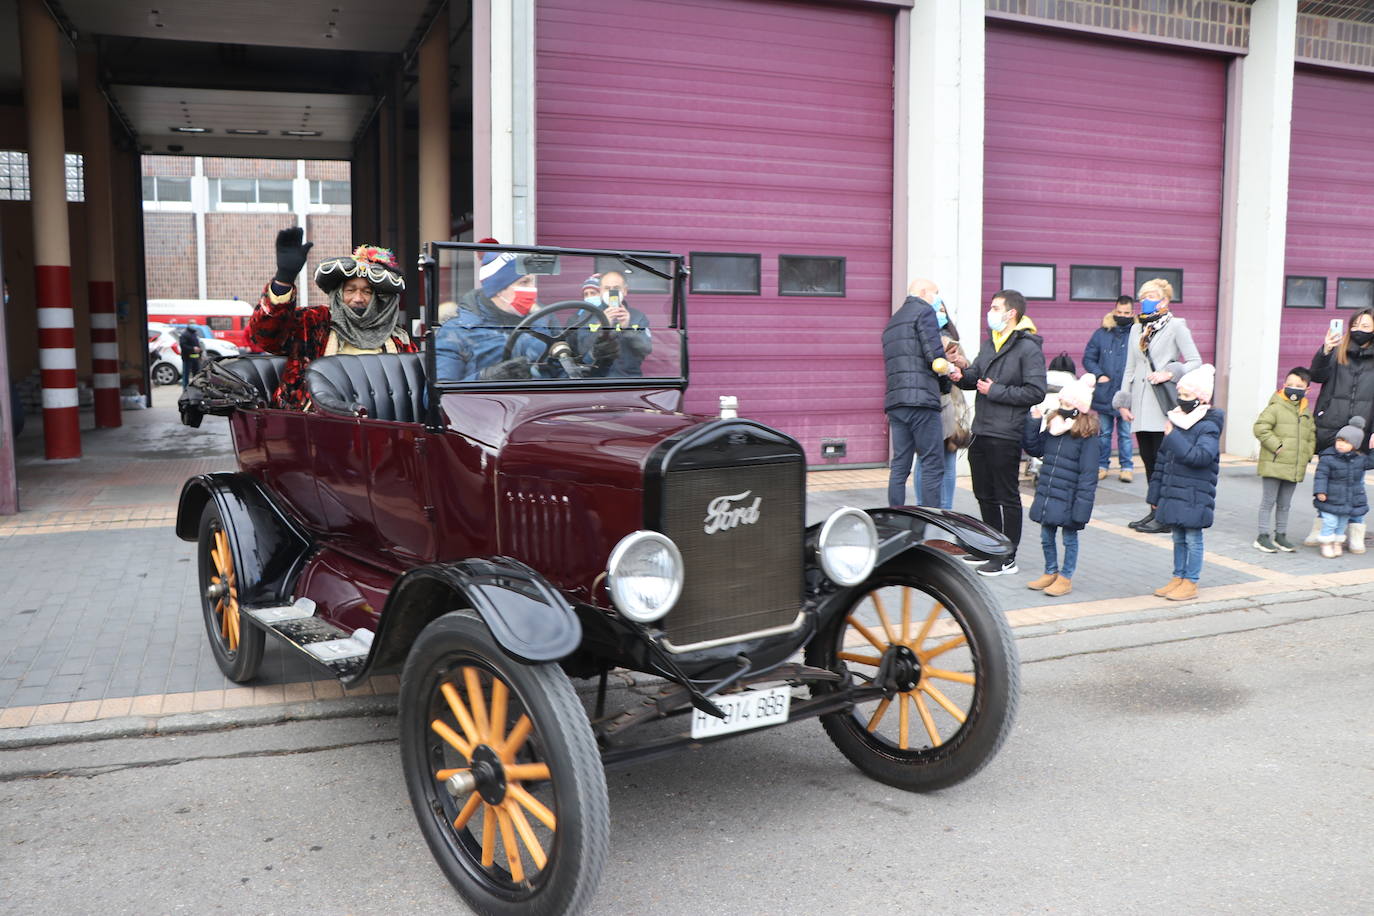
{"points": [[935, 641], [503, 772], [236, 643]]}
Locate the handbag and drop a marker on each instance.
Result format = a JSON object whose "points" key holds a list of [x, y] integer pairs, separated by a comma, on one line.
{"points": [[956, 420], [1165, 392]]}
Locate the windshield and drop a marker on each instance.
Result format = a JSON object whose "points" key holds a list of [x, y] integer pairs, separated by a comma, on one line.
{"points": [[510, 315]]}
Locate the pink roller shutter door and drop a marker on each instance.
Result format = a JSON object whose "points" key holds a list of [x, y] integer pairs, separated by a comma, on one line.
{"points": [[1071, 176], [736, 126], [1330, 200]]}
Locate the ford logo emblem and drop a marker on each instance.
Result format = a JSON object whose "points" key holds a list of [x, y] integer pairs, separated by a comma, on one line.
{"points": [[726, 512]]}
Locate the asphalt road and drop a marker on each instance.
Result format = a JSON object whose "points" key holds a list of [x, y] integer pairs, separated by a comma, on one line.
{"points": [[1220, 763]]}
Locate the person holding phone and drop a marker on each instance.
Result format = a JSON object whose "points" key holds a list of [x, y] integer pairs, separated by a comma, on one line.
{"points": [[629, 326], [1344, 367]]}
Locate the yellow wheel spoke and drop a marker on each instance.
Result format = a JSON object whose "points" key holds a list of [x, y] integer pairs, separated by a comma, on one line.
{"points": [[906, 613], [488, 836], [512, 848], [528, 771], [446, 775], [499, 693], [878, 713], [930, 622], [935, 740], [461, 821], [942, 648], [903, 722], [233, 631], [533, 805], [516, 739], [882, 615], [861, 659], [460, 712], [478, 701], [522, 827], [867, 633], [443, 730], [945, 703], [943, 675]]}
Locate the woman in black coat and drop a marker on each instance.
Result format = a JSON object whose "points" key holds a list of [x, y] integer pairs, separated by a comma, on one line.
{"points": [[1344, 367]]}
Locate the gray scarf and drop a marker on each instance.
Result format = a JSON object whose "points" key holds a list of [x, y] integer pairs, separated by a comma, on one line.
{"points": [[370, 329]]}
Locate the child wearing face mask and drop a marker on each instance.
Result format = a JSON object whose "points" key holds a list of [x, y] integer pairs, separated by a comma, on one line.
{"points": [[1338, 490], [1067, 439], [1287, 434], [1183, 488]]}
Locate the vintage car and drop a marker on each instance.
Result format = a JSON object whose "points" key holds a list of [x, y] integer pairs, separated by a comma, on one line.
{"points": [[496, 538]]}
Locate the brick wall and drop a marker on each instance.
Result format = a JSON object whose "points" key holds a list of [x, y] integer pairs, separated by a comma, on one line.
{"points": [[327, 170], [170, 243], [239, 254], [169, 166], [225, 167], [331, 233]]}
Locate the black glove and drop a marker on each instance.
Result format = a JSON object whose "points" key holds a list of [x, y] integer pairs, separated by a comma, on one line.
{"points": [[291, 255], [605, 349], [514, 368]]}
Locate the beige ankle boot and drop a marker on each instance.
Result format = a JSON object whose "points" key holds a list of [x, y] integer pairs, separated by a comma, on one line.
{"points": [[1356, 533], [1314, 537]]}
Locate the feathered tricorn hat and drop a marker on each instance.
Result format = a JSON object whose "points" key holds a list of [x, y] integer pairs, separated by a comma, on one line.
{"points": [[375, 265]]}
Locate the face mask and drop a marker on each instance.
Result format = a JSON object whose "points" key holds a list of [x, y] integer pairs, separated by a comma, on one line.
{"points": [[1188, 405], [1069, 413], [522, 300], [997, 320], [1294, 394], [1150, 306], [941, 317], [1124, 321], [593, 299], [1362, 337]]}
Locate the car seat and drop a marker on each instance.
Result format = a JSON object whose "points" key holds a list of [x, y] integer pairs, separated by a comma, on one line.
{"points": [[383, 386]]}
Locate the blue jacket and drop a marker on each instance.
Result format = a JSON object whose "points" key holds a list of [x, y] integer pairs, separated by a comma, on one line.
{"points": [[1067, 483], [475, 338], [1341, 478], [1183, 488], [1106, 355], [911, 342]]}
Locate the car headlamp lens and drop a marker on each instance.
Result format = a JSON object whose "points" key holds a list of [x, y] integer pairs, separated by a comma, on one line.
{"points": [[848, 546], [644, 576]]}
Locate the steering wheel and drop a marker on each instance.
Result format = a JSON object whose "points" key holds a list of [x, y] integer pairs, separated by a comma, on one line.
{"points": [[550, 341]]}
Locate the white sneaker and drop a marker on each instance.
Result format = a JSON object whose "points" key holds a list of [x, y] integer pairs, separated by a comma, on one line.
{"points": [[999, 567]]}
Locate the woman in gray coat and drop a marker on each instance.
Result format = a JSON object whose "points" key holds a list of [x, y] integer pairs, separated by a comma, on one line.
{"points": [[1161, 338]]}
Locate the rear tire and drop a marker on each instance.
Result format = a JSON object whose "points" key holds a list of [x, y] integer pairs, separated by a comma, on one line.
{"points": [[165, 374]]}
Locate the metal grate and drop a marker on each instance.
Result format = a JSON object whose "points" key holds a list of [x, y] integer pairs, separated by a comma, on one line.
{"points": [[1348, 10], [1222, 24], [1345, 42]]}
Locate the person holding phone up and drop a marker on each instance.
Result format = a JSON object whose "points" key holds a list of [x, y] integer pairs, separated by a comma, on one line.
{"points": [[1344, 367]]}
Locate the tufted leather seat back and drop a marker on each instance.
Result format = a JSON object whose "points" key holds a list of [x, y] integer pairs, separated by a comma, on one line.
{"points": [[389, 386], [262, 372]]}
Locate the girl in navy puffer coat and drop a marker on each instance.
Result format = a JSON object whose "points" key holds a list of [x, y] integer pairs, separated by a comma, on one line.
{"points": [[1183, 488], [1067, 440], [1338, 490]]}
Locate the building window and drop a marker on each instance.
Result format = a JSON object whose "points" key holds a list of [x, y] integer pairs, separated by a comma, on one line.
{"points": [[1034, 281], [1354, 294], [1094, 284], [810, 275], [274, 191], [333, 193], [159, 190], [14, 175], [637, 279], [717, 272], [1304, 292], [1173, 274], [269, 194]]}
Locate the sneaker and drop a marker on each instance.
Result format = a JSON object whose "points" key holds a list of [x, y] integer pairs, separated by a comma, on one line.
{"points": [[1265, 543], [972, 560], [1282, 543], [1101, 473], [1125, 476], [999, 567]]}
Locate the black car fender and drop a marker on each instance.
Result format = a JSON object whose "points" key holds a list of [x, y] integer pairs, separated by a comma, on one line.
{"points": [[528, 617], [269, 547]]}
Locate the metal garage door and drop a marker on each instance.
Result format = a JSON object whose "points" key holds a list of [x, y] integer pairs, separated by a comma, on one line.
{"points": [[1102, 154], [740, 127], [1330, 208]]}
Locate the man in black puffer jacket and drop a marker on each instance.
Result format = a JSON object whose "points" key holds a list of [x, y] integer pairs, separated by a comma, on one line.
{"points": [[911, 343], [1009, 374]]}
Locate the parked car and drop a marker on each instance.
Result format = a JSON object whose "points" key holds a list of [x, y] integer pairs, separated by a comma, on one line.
{"points": [[494, 540], [164, 348]]}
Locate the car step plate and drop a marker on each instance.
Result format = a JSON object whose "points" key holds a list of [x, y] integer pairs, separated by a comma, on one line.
{"points": [[744, 710]]}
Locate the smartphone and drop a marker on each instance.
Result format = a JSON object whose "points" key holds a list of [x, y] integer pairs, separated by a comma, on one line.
{"points": [[1337, 326]]}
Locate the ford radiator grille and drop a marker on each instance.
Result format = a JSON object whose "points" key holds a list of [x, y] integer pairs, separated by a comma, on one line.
{"points": [[740, 531]]}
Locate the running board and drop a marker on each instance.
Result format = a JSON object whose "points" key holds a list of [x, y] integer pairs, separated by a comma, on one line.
{"points": [[342, 653]]}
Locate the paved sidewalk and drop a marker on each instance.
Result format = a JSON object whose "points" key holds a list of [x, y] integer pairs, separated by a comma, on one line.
{"points": [[100, 621]]}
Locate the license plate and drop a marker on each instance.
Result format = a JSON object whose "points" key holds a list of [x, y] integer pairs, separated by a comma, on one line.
{"points": [[744, 710]]}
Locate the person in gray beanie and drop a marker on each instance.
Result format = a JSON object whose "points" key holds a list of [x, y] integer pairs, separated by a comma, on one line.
{"points": [[1338, 491]]}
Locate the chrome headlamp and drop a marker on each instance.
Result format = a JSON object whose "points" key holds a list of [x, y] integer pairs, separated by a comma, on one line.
{"points": [[644, 576], [848, 546]]}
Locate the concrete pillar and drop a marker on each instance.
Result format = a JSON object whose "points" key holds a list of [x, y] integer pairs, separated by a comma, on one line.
{"points": [[938, 166], [38, 47], [300, 207], [1255, 221], [503, 120], [200, 203], [95, 143], [436, 218]]}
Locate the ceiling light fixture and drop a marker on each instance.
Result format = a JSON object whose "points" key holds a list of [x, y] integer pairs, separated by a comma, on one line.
{"points": [[190, 130], [300, 133], [246, 131]]}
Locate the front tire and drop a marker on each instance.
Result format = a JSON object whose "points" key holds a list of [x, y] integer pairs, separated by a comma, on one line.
{"points": [[519, 739], [951, 671], [236, 644]]}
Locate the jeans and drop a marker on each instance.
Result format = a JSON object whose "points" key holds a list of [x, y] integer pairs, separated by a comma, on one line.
{"points": [[189, 367], [1187, 553], [1110, 418], [996, 467], [1052, 555], [916, 431], [1335, 525], [951, 477]]}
